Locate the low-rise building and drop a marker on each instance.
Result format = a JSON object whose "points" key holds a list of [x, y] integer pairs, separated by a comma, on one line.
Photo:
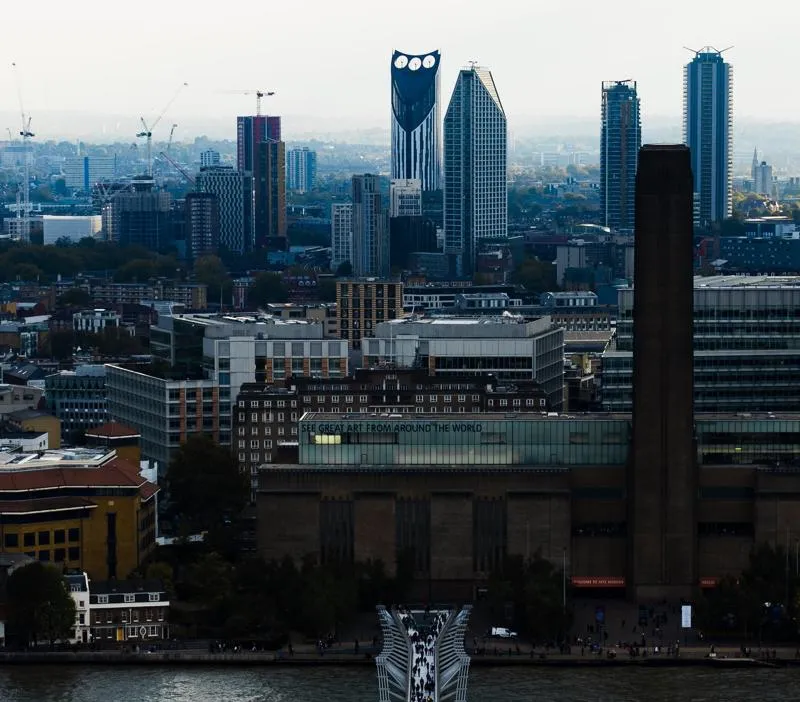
{"points": [[131, 611], [510, 347], [84, 509], [31, 420], [78, 584], [18, 397], [94, 321]]}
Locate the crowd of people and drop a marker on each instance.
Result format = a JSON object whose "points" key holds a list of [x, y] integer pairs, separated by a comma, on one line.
{"points": [[423, 645]]}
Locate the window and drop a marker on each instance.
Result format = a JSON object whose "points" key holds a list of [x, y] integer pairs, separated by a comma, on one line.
{"points": [[29, 539], [294, 431], [348, 398], [242, 443], [306, 399], [517, 402], [363, 398], [476, 398], [74, 553], [281, 431], [335, 398], [433, 398], [11, 540], [242, 456], [130, 598], [280, 416], [491, 403], [44, 555], [155, 597], [255, 457], [58, 555], [294, 416], [281, 403], [448, 398], [241, 416], [529, 402], [504, 403], [268, 443], [59, 536], [102, 599], [253, 443], [254, 416], [241, 431], [241, 403], [462, 398], [152, 631], [254, 403]]}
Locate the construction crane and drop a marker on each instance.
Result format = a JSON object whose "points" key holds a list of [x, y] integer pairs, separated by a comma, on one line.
{"points": [[147, 132], [260, 95], [171, 132], [178, 168], [24, 213]]}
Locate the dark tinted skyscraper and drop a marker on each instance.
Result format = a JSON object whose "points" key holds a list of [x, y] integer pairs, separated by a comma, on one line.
{"points": [[475, 179], [620, 139], [261, 153], [662, 473], [202, 224], [370, 227], [708, 132], [416, 123]]}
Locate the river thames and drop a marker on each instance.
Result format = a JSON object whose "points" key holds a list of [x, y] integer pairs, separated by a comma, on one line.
{"points": [[269, 684]]}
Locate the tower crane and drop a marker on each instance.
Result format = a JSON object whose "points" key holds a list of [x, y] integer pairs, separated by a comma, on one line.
{"points": [[24, 214], [171, 132], [177, 167], [260, 95], [147, 131]]}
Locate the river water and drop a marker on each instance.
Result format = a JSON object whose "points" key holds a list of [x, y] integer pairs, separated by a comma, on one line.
{"points": [[191, 684]]}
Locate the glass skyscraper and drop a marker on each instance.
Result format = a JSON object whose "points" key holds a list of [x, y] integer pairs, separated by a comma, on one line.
{"points": [[416, 123], [708, 132], [475, 157], [620, 139]]}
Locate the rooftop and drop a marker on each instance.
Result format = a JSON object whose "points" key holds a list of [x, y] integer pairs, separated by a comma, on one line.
{"points": [[110, 587], [746, 281], [113, 430]]}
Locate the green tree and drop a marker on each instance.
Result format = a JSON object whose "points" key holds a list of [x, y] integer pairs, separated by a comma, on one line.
{"points": [[160, 570], [206, 488], [535, 275], [40, 606], [74, 297], [344, 270], [211, 271], [267, 287], [139, 270]]}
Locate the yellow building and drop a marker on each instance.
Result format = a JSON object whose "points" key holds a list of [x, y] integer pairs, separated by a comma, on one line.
{"points": [[87, 509], [41, 422]]}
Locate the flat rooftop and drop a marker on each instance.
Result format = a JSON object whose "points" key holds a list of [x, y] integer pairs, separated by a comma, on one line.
{"points": [[54, 458], [746, 281], [523, 416]]}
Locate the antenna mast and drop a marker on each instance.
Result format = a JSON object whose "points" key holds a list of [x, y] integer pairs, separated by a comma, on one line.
{"points": [[24, 214]]}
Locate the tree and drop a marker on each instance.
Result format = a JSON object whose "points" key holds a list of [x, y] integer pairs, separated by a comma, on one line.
{"points": [[211, 271], [74, 297], [535, 275], [205, 487], [267, 287], [345, 269], [39, 603], [159, 570]]}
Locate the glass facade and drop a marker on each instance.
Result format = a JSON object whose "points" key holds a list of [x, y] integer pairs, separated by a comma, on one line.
{"points": [[495, 440], [489, 440]]}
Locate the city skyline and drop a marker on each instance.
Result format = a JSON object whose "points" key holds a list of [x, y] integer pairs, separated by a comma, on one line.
{"points": [[511, 39]]}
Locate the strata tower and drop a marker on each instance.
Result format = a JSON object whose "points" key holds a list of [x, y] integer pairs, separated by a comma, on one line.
{"points": [[416, 118]]}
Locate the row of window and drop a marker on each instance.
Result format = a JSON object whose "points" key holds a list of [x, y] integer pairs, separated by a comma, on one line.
{"points": [[131, 597], [45, 538], [58, 555]]}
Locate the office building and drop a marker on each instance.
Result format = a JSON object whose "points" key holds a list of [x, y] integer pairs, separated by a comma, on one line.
{"points": [[167, 412], [497, 485], [192, 295], [202, 224], [234, 191], [509, 347], [363, 304], [663, 472], [708, 132], [78, 399], [620, 139], [746, 346], [140, 217], [209, 158], [80, 508], [341, 234], [370, 227], [475, 193], [72, 228], [322, 312], [83, 172], [405, 198], [416, 118], [301, 169]]}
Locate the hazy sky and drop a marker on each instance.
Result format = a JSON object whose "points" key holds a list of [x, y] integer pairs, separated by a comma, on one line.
{"points": [[328, 60]]}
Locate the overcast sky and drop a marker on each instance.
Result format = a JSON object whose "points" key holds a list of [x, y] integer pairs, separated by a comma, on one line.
{"points": [[328, 60]]}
